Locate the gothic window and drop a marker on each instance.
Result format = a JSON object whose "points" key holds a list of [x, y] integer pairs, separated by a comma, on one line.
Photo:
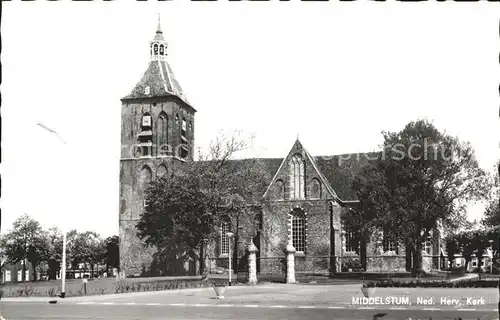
{"points": [[162, 134], [298, 230], [161, 50], [184, 141], [388, 243], [350, 239], [224, 239], [297, 177], [279, 190], [162, 170], [315, 189], [184, 129], [155, 49]]}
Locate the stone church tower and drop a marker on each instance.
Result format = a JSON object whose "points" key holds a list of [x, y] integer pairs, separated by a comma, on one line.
{"points": [[157, 136]]}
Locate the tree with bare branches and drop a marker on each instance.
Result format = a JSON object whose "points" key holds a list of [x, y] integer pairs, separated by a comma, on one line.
{"points": [[184, 209]]}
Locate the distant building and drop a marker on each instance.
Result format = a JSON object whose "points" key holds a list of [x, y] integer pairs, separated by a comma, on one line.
{"points": [[14, 272], [486, 261]]}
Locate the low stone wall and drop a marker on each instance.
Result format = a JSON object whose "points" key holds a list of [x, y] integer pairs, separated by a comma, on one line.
{"points": [[304, 264], [272, 265], [386, 264]]}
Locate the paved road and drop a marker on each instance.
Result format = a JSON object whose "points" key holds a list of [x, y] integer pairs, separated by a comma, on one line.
{"points": [[261, 302], [45, 311]]}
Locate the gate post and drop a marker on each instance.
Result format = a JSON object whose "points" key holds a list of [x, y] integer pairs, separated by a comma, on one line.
{"points": [[252, 263], [290, 263]]}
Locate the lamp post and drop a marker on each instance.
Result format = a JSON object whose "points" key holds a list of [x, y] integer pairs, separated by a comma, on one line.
{"points": [[342, 249], [491, 259], [63, 275], [229, 236]]}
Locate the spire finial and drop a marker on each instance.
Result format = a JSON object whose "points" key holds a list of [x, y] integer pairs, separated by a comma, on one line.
{"points": [[158, 29]]}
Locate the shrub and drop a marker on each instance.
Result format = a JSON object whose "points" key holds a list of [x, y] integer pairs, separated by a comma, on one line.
{"points": [[432, 284], [351, 263]]}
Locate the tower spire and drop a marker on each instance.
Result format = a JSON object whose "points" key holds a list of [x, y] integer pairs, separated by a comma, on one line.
{"points": [[158, 28], [159, 33]]}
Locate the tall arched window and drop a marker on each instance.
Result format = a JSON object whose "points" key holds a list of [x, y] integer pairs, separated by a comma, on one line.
{"points": [[351, 243], [298, 230], [155, 49], [279, 190], [162, 135], [224, 239], [161, 50], [315, 189], [388, 242], [297, 177]]}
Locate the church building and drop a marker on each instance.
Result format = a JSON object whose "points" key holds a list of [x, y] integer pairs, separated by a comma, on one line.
{"points": [[302, 203]]}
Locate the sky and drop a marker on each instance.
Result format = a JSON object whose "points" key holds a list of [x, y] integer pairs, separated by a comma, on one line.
{"points": [[335, 74]]}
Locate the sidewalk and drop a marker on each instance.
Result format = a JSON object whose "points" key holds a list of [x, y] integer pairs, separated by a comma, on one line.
{"points": [[469, 276]]}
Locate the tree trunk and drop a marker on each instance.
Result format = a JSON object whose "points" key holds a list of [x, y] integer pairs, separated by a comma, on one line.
{"points": [[92, 270], [409, 253], [202, 258], [33, 265], [362, 252], [417, 260], [23, 276]]}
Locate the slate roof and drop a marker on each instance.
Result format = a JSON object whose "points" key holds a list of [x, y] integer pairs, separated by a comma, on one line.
{"points": [[339, 170], [161, 81]]}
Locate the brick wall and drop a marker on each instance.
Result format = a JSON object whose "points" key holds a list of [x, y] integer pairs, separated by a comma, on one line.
{"points": [[394, 263], [134, 257]]}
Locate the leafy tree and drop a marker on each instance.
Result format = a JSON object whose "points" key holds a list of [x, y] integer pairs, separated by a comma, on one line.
{"points": [[422, 178], [85, 248], [491, 216], [98, 252], [452, 247], [184, 209], [112, 258], [55, 241], [26, 241]]}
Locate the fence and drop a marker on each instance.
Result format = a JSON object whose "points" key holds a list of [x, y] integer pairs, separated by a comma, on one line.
{"points": [[320, 269], [271, 269], [218, 268]]}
